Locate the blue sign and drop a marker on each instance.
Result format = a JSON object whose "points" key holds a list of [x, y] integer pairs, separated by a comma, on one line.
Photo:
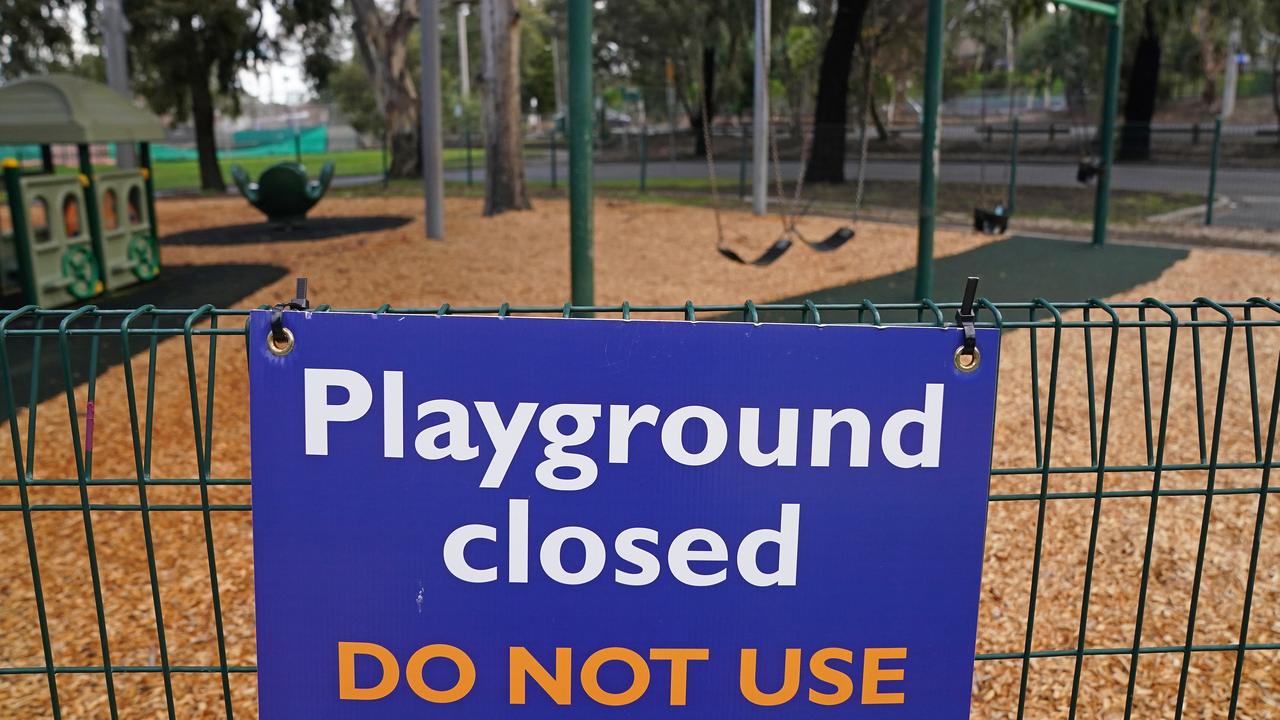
{"points": [[475, 517]]}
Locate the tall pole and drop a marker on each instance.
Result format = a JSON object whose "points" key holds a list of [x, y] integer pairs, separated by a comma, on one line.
{"points": [[929, 149], [1107, 149], [581, 119], [760, 114], [1233, 71], [432, 143], [464, 62], [557, 82], [114, 27]]}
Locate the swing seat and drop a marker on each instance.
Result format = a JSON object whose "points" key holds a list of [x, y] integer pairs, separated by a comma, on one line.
{"points": [[834, 240], [775, 251], [1087, 170], [991, 222]]}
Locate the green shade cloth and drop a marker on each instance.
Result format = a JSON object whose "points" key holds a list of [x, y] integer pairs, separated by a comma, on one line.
{"points": [[254, 143], [66, 109]]}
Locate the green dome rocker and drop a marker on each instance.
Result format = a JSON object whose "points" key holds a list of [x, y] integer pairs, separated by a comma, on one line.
{"points": [[283, 192]]}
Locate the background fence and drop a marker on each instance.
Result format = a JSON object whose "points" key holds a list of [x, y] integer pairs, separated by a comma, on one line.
{"points": [[1133, 547]]}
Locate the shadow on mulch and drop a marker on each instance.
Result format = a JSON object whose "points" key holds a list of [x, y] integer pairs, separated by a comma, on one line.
{"points": [[178, 287], [1017, 269], [320, 228]]}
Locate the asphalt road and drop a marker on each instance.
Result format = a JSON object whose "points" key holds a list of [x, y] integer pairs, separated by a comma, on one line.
{"points": [[1254, 193], [1231, 182]]}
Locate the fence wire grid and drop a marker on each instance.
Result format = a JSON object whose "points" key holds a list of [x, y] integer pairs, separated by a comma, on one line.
{"points": [[1130, 570]]}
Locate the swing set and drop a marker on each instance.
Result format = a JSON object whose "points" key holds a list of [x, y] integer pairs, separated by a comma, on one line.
{"points": [[579, 33], [797, 208]]}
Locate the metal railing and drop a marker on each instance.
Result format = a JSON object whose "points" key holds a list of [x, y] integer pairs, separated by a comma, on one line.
{"points": [[1101, 406]]}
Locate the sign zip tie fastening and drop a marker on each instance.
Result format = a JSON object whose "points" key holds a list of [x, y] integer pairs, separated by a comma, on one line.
{"points": [[280, 339], [967, 356]]}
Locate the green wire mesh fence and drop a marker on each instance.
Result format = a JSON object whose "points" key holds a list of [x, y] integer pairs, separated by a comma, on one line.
{"points": [[1132, 565]]}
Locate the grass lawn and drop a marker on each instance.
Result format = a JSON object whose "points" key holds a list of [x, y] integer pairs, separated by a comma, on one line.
{"points": [[185, 174], [1059, 203]]}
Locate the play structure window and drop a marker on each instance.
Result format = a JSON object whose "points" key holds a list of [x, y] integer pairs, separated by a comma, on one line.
{"points": [[135, 205], [38, 218], [71, 215], [110, 210]]}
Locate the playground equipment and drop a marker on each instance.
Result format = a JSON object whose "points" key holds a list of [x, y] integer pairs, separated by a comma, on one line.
{"points": [[987, 218], [283, 193], [74, 236], [791, 216]]}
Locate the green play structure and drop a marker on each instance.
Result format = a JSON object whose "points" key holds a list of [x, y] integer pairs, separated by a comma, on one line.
{"points": [[73, 236], [283, 193]]}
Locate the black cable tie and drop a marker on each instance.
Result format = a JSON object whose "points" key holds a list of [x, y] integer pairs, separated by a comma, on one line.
{"points": [[299, 302], [966, 317]]}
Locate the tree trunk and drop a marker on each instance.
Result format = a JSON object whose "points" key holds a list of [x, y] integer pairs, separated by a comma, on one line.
{"points": [[830, 115], [504, 187], [1212, 63], [206, 140], [381, 45], [706, 114], [1140, 100]]}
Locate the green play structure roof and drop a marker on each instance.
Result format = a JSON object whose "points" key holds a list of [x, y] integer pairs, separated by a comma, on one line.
{"points": [[67, 109]]}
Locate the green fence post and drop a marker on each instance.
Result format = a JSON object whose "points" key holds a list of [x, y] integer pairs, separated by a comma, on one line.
{"points": [[1012, 195], [297, 145], [1213, 172], [644, 157], [466, 138], [386, 175], [929, 149], [581, 122], [1107, 132], [554, 172], [742, 164]]}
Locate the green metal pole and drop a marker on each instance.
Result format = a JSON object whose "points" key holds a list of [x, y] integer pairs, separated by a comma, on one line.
{"points": [[929, 149], [1094, 6], [554, 169], [581, 121], [1012, 196], [297, 145], [149, 185], [466, 138], [644, 157], [91, 208], [1213, 172], [1107, 151]]}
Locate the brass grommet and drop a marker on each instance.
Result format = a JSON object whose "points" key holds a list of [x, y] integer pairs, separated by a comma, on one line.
{"points": [[966, 362], [280, 349]]}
